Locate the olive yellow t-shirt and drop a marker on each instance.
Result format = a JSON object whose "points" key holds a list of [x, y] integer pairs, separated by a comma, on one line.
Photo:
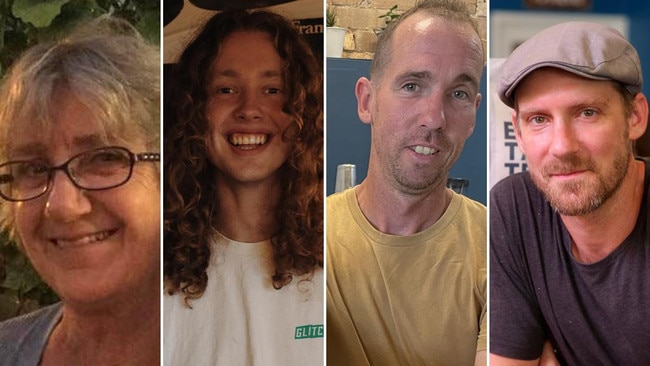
{"points": [[405, 300]]}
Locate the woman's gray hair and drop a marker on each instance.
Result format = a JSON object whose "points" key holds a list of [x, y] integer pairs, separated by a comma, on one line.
{"points": [[106, 65]]}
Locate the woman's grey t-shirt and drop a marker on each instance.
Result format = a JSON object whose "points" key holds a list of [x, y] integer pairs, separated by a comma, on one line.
{"points": [[22, 339]]}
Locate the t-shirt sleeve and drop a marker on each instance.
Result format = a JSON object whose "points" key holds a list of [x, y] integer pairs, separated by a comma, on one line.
{"points": [[516, 326], [481, 344]]}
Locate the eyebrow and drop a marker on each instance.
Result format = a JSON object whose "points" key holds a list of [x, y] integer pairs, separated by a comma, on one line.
{"points": [[466, 78], [426, 75], [233, 73], [591, 102], [90, 141], [32, 148], [80, 143]]}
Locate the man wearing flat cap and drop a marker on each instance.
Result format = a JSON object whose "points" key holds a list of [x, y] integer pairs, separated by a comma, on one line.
{"points": [[570, 238]]}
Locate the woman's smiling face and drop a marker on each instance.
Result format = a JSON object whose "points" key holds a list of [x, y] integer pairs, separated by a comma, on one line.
{"points": [[89, 246]]}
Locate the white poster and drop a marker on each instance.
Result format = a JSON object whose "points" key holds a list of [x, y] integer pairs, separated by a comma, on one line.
{"points": [[505, 156]]}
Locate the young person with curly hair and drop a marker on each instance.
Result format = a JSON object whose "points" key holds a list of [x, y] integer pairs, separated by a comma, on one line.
{"points": [[243, 246]]}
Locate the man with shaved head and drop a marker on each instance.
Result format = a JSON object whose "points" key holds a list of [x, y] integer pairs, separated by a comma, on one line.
{"points": [[406, 256]]}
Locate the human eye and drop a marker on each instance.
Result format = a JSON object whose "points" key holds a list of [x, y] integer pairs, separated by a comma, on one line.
{"points": [[27, 173], [108, 156], [460, 94], [411, 87], [28, 169], [588, 112], [273, 90], [102, 162], [225, 90], [537, 120]]}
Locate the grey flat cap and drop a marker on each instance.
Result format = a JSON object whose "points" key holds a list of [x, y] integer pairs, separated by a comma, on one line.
{"points": [[591, 50]]}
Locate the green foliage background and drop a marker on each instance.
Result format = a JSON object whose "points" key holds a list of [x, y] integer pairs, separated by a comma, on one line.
{"points": [[24, 23]]}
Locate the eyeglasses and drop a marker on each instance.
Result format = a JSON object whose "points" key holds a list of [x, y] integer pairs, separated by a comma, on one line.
{"points": [[92, 170]]}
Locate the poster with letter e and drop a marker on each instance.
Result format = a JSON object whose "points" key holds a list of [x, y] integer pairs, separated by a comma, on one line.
{"points": [[505, 156]]}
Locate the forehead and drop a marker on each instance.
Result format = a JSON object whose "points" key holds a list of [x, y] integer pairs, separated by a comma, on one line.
{"points": [[69, 123], [246, 52], [436, 44]]}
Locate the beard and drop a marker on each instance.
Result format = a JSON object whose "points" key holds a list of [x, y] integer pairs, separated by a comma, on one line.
{"points": [[585, 194], [417, 178], [408, 180]]}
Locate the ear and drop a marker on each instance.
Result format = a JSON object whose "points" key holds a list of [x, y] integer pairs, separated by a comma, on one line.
{"points": [[638, 120], [363, 91], [517, 128]]}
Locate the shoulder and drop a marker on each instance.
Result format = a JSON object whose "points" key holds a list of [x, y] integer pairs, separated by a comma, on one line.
{"points": [[468, 225], [337, 201], [342, 210], [35, 322], [515, 204], [475, 208], [516, 192], [28, 333], [515, 182], [465, 216]]}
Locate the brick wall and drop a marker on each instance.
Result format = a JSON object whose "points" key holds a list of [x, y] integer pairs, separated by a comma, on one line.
{"points": [[361, 19]]}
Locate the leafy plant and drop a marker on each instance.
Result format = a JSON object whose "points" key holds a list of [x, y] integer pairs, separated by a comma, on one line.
{"points": [[24, 23], [21, 289], [330, 17], [389, 16]]}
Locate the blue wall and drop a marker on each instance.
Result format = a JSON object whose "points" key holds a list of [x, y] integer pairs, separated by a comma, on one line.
{"points": [[348, 139]]}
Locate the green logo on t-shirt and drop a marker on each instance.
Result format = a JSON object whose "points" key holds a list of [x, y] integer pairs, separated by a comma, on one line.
{"points": [[309, 331]]}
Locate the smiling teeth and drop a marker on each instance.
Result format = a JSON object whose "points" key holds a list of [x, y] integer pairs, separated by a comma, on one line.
{"points": [[85, 240], [239, 139], [423, 150]]}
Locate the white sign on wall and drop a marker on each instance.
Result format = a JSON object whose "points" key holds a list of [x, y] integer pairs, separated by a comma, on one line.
{"points": [[505, 156]]}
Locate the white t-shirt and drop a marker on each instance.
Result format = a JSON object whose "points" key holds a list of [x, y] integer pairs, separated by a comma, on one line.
{"points": [[241, 319]]}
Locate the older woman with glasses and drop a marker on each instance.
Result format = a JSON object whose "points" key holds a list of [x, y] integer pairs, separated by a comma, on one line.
{"points": [[79, 178]]}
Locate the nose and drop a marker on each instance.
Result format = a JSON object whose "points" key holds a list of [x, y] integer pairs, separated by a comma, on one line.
{"points": [[433, 112], [564, 140], [65, 202], [248, 107]]}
